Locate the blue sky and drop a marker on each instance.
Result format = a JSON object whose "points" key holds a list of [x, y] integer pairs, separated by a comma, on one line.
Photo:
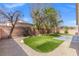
{"points": [[67, 11]]}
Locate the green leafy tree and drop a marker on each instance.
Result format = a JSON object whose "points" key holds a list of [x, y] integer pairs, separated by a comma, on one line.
{"points": [[47, 18], [52, 19]]}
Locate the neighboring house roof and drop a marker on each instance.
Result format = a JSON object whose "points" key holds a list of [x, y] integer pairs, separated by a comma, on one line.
{"points": [[19, 23], [23, 22]]}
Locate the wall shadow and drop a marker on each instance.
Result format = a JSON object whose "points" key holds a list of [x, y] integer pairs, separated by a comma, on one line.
{"points": [[75, 43]]}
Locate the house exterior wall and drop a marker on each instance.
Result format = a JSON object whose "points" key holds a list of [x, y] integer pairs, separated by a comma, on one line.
{"points": [[77, 13], [77, 16], [21, 29]]}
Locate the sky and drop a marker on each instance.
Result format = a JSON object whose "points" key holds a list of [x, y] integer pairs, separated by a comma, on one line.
{"points": [[67, 11]]}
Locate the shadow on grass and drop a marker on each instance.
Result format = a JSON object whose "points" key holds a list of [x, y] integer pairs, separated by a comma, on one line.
{"points": [[47, 47]]}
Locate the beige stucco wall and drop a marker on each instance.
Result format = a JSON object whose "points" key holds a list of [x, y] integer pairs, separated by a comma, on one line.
{"points": [[77, 13], [70, 31]]}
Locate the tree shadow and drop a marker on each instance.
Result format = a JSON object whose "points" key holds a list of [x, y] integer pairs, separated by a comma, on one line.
{"points": [[75, 43]]}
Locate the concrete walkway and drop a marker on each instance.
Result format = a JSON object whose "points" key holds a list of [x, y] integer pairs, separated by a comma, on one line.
{"points": [[9, 47], [14, 47], [68, 48]]}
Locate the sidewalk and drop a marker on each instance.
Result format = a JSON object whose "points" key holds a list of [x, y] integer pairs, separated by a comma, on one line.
{"points": [[14, 47], [65, 49]]}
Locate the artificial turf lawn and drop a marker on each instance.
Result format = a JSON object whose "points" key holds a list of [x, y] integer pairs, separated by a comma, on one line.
{"points": [[42, 43]]}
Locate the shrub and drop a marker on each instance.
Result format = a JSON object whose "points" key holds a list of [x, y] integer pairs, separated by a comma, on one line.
{"points": [[66, 31]]}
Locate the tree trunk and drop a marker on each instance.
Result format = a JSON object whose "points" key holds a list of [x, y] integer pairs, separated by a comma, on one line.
{"points": [[13, 26], [54, 30], [10, 35]]}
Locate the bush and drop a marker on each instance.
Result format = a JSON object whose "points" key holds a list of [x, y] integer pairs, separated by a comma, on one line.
{"points": [[55, 34], [66, 31]]}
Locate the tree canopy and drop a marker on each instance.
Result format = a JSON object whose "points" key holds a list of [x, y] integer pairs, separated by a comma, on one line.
{"points": [[47, 18]]}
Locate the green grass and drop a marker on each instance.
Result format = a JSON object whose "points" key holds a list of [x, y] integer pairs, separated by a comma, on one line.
{"points": [[42, 43]]}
